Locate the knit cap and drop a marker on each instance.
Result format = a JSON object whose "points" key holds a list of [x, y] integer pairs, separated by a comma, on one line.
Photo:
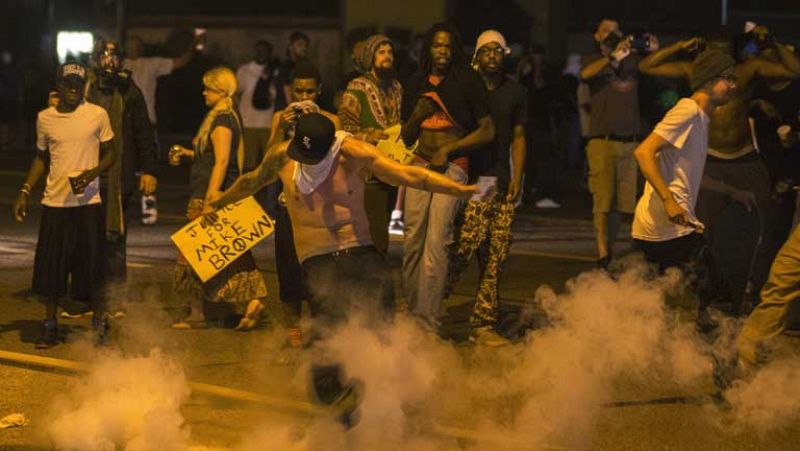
{"points": [[364, 59], [709, 65], [487, 37]]}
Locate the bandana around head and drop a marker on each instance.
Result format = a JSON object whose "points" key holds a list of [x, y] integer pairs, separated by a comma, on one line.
{"points": [[307, 177]]}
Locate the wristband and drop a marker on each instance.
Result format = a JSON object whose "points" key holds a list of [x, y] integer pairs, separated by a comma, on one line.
{"points": [[25, 189]]}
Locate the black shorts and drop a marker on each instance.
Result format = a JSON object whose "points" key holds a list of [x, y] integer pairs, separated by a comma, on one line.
{"points": [[69, 247]]}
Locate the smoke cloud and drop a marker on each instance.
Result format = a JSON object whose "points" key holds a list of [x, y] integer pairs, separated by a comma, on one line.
{"points": [[127, 403], [771, 399], [545, 392]]}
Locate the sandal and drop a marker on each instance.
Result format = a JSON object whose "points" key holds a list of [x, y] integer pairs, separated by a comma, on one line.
{"points": [[251, 316]]}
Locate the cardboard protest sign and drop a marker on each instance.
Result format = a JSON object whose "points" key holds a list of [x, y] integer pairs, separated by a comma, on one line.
{"points": [[393, 147], [210, 247]]}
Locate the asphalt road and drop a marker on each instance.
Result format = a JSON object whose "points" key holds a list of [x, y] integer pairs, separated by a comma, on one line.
{"points": [[551, 248]]}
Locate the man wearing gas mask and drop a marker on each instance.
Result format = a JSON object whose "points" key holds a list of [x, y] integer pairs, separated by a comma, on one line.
{"points": [[615, 128], [112, 88]]}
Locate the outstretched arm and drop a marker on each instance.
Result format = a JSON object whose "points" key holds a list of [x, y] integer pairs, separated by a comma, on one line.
{"points": [[248, 184], [396, 174]]}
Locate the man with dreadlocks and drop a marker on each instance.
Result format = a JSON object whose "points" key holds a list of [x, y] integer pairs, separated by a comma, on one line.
{"points": [[445, 107], [371, 104]]}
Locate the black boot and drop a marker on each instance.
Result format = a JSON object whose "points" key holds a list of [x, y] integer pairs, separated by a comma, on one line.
{"points": [[49, 335]]}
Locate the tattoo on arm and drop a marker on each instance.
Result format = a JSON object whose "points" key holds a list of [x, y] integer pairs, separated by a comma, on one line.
{"points": [[248, 184]]}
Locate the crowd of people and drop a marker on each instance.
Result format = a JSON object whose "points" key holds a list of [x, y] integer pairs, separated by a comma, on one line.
{"points": [[483, 137]]}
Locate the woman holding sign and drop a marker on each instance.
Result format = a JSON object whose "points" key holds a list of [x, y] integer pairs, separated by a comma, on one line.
{"points": [[217, 159]]}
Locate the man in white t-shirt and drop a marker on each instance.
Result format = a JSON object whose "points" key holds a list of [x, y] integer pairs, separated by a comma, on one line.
{"points": [[146, 70], [672, 159], [74, 141]]}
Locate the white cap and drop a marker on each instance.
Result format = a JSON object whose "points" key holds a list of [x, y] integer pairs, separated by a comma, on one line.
{"points": [[487, 37]]}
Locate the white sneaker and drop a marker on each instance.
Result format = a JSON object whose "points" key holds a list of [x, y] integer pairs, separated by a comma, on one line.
{"points": [[396, 227], [487, 336], [547, 203], [149, 210]]}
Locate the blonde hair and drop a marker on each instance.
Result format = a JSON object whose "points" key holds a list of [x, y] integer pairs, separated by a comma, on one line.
{"points": [[222, 80]]}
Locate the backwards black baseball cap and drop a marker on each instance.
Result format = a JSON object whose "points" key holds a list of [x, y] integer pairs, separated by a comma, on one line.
{"points": [[72, 73], [314, 134]]}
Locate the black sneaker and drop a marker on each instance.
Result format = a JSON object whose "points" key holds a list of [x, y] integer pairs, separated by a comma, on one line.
{"points": [[49, 335], [101, 329], [72, 309], [706, 325], [604, 262], [728, 370], [345, 407]]}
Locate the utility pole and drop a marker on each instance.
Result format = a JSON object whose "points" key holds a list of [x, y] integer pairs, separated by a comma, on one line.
{"points": [[724, 12]]}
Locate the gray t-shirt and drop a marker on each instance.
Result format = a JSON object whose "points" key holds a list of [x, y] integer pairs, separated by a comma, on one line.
{"points": [[615, 98]]}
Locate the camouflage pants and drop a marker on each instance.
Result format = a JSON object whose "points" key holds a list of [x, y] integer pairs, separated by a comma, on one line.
{"points": [[485, 229]]}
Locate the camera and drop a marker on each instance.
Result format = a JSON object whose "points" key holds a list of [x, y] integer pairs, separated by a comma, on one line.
{"points": [[612, 41], [640, 42]]}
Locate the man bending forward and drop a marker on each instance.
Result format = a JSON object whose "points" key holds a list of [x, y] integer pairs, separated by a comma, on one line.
{"points": [[323, 173]]}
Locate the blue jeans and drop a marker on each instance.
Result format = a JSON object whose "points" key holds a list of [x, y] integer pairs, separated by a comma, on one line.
{"points": [[428, 235]]}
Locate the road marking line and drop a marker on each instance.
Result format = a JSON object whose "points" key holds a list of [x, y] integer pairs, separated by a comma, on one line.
{"points": [[73, 366], [575, 257], [139, 265], [14, 250], [301, 407]]}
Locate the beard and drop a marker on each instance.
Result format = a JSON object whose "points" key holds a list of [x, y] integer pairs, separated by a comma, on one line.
{"points": [[386, 76]]}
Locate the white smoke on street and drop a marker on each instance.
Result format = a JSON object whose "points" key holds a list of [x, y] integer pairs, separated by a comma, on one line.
{"points": [[131, 396], [545, 392], [770, 400], [125, 403], [420, 392]]}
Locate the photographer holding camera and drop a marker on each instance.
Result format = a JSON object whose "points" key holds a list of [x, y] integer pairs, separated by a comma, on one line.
{"points": [[614, 129]]}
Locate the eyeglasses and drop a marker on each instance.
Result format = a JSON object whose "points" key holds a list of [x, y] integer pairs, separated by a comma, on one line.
{"points": [[731, 79], [492, 50]]}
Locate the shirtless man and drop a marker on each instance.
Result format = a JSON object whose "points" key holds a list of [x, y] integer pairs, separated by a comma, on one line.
{"points": [[733, 170], [449, 114], [323, 174]]}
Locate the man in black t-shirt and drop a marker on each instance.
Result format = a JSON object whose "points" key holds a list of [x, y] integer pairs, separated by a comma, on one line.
{"points": [[296, 52], [445, 109], [486, 226]]}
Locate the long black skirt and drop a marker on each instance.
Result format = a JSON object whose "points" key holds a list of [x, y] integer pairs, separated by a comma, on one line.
{"points": [[69, 250]]}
